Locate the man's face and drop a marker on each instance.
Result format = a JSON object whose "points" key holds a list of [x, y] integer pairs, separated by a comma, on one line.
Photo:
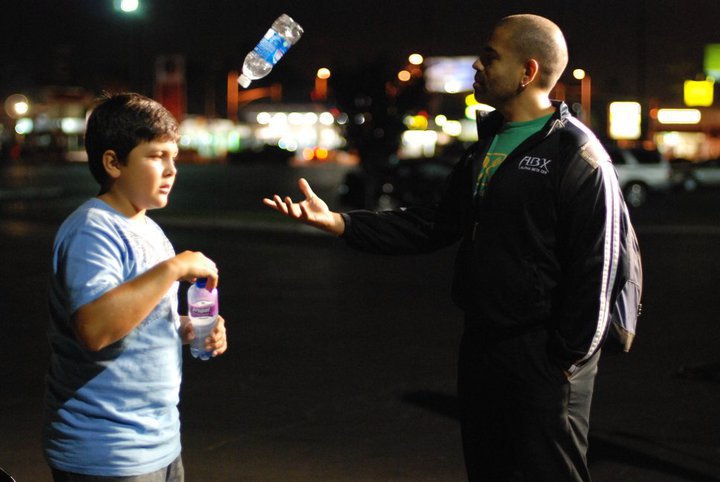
{"points": [[148, 175], [499, 70]]}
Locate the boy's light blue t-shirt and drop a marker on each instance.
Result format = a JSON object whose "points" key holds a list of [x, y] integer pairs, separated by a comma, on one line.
{"points": [[112, 412]]}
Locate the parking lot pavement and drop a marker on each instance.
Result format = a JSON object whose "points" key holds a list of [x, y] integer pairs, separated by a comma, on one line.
{"points": [[341, 365]]}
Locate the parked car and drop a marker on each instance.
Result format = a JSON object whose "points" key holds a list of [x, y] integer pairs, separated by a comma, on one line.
{"points": [[707, 173], [640, 172]]}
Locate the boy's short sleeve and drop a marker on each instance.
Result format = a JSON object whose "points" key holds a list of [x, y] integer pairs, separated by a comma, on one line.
{"points": [[90, 264]]}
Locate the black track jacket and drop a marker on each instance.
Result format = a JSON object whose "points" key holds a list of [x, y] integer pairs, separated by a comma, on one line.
{"points": [[540, 248]]}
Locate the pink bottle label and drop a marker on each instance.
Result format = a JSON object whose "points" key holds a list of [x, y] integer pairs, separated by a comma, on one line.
{"points": [[203, 309]]}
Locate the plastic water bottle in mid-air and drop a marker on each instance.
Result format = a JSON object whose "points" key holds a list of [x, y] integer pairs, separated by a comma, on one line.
{"points": [[203, 312], [283, 34]]}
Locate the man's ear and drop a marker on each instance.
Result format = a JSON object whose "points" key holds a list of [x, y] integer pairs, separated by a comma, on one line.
{"points": [[111, 163], [532, 68]]}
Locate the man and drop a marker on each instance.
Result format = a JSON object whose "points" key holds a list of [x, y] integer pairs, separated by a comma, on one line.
{"points": [[536, 206]]}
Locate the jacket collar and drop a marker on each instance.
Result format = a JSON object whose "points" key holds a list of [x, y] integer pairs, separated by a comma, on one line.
{"points": [[488, 123]]}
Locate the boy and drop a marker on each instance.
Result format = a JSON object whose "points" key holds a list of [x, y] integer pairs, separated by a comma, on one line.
{"points": [[115, 334]]}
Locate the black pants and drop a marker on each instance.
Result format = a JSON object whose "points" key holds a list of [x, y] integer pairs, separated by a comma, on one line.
{"points": [[522, 419]]}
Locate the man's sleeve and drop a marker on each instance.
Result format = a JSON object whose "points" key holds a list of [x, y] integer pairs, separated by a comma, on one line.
{"points": [[415, 230], [590, 207]]}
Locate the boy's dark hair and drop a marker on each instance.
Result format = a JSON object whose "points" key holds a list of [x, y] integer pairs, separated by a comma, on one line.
{"points": [[121, 121]]}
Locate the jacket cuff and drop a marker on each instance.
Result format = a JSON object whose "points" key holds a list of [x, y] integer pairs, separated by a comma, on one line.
{"points": [[348, 225]]}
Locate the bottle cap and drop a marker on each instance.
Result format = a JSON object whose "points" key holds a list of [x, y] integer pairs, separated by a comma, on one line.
{"points": [[244, 81], [201, 282]]}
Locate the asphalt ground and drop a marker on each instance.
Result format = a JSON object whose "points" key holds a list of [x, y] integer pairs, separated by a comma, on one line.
{"points": [[341, 365]]}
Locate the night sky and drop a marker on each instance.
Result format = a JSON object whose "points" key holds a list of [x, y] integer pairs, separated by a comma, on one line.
{"points": [[631, 48]]}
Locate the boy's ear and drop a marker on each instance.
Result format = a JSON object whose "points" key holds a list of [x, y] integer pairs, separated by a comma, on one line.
{"points": [[111, 163]]}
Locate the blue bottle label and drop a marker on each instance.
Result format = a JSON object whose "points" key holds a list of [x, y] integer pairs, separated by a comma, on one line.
{"points": [[272, 47]]}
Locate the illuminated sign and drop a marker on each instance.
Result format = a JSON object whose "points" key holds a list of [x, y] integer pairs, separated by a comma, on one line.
{"points": [[712, 61], [449, 75], [698, 93], [624, 120], [678, 116]]}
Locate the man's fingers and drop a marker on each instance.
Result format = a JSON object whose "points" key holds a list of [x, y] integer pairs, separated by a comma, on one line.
{"points": [[269, 203], [288, 207], [292, 208], [305, 188], [305, 212], [280, 205]]}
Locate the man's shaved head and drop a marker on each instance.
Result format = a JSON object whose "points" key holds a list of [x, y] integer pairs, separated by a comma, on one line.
{"points": [[538, 38]]}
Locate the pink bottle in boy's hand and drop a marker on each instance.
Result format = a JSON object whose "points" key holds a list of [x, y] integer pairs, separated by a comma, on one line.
{"points": [[203, 312]]}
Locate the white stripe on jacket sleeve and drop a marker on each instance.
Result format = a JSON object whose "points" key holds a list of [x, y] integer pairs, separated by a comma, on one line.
{"points": [[611, 255]]}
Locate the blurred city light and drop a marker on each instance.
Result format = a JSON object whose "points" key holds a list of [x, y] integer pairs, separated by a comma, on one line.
{"points": [[279, 119], [416, 122], [311, 135], [452, 86], [288, 143], [342, 119], [212, 138], [72, 125], [17, 105], [624, 120], [24, 126], [452, 128], [679, 116], [585, 95], [418, 143], [263, 118], [404, 76], [127, 6], [327, 119], [698, 93], [296, 118], [472, 106], [415, 59], [711, 61], [321, 153], [22, 108], [449, 74], [320, 91]]}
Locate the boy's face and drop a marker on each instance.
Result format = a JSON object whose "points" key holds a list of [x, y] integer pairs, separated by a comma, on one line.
{"points": [[147, 177]]}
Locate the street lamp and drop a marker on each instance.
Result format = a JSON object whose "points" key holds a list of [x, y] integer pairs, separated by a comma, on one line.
{"points": [[585, 94], [321, 81], [415, 59], [21, 107], [132, 12], [17, 105], [127, 6]]}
